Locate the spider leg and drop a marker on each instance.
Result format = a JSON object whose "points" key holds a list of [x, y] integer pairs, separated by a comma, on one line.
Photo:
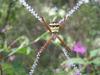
{"points": [[71, 64], [38, 56], [62, 22], [45, 24], [46, 44], [64, 48], [63, 44]]}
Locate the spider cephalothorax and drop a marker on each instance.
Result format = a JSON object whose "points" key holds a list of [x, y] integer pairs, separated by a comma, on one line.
{"points": [[54, 27]]}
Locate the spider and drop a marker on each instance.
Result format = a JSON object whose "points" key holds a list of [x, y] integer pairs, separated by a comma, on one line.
{"points": [[53, 29]]}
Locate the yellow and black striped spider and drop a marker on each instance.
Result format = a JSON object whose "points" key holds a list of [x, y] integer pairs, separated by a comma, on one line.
{"points": [[53, 29]]}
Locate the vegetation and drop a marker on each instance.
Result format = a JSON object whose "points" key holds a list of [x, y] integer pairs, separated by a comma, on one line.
{"points": [[19, 29]]}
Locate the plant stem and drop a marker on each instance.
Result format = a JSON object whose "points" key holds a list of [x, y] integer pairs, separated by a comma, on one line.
{"points": [[1, 71]]}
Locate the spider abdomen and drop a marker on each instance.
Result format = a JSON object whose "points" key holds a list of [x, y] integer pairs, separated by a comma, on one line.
{"points": [[54, 27]]}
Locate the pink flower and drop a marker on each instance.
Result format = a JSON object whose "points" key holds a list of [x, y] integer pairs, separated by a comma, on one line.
{"points": [[79, 48]]}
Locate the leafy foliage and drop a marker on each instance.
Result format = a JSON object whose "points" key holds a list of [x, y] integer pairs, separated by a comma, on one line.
{"points": [[19, 29]]}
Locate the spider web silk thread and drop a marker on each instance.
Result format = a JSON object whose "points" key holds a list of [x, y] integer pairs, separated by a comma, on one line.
{"points": [[70, 13], [35, 63], [31, 10], [38, 56], [35, 14], [71, 63]]}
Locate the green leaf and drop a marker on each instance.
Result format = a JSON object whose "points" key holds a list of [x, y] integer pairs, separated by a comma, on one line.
{"points": [[8, 69], [61, 73], [25, 50], [96, 61], [94, 53], [75, 61], [24, 41]]}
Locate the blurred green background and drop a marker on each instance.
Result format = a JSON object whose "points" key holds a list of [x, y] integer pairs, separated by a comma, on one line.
{"points": [[18, 29]]}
